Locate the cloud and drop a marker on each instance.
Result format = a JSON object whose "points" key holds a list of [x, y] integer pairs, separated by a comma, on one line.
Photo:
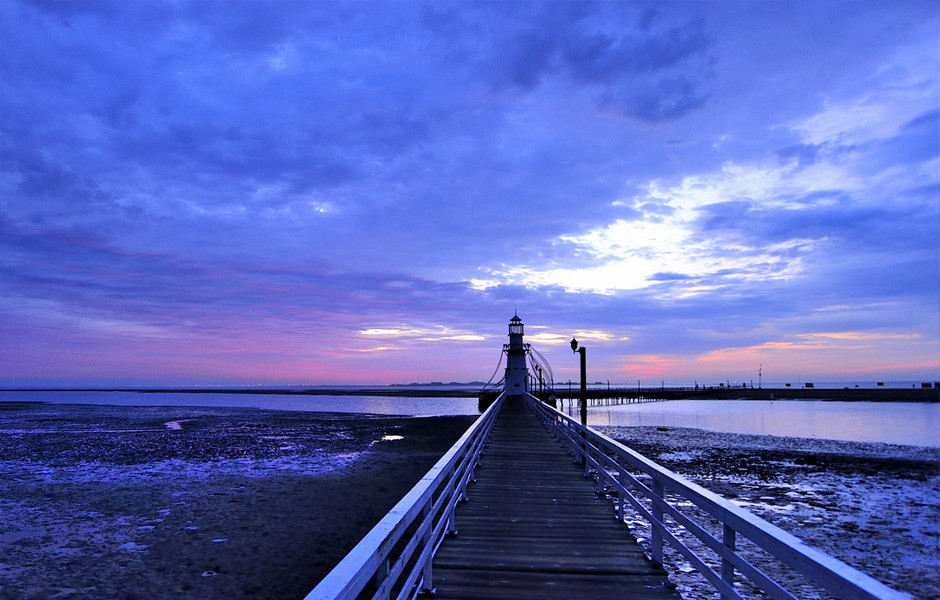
{"points": [[651, 74], [774, 218], [606, 57], [860, 336], [665, 100], [424, 334], [273, 180], [704, 251]]}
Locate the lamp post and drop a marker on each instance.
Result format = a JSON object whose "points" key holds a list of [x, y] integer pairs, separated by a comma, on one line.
{"points": [[583, 352]]}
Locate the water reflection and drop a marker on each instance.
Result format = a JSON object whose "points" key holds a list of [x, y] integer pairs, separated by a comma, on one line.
{"points": [[911, 423], [383, 405]]}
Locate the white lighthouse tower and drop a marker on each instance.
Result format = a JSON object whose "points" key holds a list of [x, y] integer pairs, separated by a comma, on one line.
{"points": [[517, 375]]}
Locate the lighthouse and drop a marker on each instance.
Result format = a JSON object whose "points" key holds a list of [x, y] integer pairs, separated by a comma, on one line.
{"points": [[516, 372]]}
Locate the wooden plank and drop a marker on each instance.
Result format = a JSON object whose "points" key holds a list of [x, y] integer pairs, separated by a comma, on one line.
{"points": [[491, 585], [534, 528]]}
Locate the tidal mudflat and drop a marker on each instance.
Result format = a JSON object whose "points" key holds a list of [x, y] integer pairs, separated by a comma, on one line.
{"points": [[157, 502], [874, 506]]}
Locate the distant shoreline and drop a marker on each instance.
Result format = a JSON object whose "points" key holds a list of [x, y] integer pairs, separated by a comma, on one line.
{"points": [[401, 391], [822, 394]]}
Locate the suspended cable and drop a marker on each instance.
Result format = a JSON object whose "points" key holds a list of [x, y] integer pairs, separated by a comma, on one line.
{"points": [[544, 365], [497, 370]]}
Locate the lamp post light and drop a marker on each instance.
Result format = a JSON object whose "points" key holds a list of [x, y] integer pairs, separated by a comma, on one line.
{"points": [[583, 352]]}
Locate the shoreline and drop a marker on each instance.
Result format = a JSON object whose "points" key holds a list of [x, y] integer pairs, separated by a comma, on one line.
{"points": [[913, 394], [857, 394], [396, 392]]}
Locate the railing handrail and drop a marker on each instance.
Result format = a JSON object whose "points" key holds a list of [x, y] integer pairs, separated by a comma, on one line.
{"points": [[837, 577], [431, 500]]}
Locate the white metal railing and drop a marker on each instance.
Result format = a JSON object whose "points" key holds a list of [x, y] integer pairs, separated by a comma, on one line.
{"points": [[657, 494], [394, 558]]}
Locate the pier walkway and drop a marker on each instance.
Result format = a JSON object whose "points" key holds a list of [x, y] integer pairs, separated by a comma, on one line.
{"points": [[534, 527]]}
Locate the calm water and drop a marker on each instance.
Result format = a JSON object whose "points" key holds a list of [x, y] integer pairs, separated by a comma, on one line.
{"points": [[911, 423], [382, 405]]}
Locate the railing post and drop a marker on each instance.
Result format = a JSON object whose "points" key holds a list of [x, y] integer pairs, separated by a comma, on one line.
{"points": [[656, 539], [427, 576], [620, 495], [727, 568], [584, 460], [381, 574], [452, 514]]}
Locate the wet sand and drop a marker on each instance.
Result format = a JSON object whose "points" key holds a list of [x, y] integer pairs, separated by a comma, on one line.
{"points": [[152, 502], [874, 506], [155, 502]]}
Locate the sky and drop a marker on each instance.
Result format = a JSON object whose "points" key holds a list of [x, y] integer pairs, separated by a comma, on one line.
{"points": [[287, 193]]}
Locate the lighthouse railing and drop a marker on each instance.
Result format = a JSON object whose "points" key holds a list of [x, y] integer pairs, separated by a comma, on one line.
{"points": [[394, 559], [718, 538]]}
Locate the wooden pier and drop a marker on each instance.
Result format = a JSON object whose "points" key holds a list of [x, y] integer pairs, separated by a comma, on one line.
{"points": [[534, 527]]}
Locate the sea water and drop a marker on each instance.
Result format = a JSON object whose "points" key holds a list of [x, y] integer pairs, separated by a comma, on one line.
{"points": [[380, 405], [909, 423]]}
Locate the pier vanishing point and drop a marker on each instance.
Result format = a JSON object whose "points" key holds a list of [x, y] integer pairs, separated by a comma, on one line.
{"points": [[530, 503]]}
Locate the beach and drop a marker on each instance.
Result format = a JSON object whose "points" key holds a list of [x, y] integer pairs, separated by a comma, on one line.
{"points": [[151, 502], [874, 506], [148, 501]]}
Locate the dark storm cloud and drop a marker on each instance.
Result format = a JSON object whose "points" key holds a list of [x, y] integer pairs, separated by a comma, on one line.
{"points": [[649, 74], [664, 101]]}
